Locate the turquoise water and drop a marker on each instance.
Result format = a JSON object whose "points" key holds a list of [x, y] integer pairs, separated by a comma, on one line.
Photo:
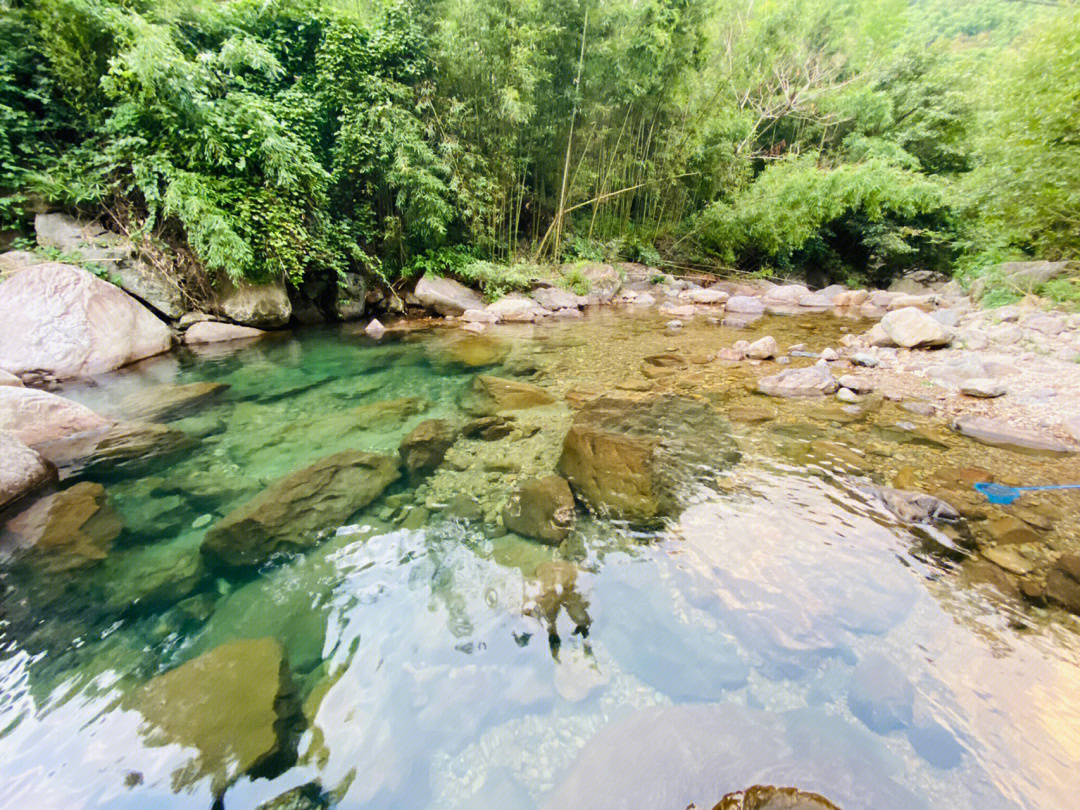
{"points": [[778, 628]]}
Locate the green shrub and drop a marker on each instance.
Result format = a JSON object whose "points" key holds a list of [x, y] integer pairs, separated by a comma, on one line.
{"points": [[574, 280]]}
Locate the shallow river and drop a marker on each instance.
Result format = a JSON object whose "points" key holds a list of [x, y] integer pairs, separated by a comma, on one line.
{"points": [[780, 626]]}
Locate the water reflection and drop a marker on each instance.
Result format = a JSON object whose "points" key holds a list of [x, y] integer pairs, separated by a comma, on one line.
{"points": [[782, 627]]}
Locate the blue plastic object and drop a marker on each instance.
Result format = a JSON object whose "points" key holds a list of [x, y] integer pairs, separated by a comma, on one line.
{"points": [[999, 493]]}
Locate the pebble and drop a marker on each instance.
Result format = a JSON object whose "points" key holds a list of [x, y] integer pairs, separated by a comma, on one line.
{"points": [[864, 359], [830, 354], [847, 395]]}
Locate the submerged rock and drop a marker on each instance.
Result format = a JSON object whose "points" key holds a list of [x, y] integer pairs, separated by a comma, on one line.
{"points": [[999, 433], [60, 321], [73, 528], [22, 471], [218, 332], [812, 381], [168, 401], [1063, 583], [446, 296], [767, 797], [426, 445], [286, 516], [880, 695], [123, 446], [469, 352], [542, 509], [36, 417], [228, 705], [629, 457], [915, 507], [488, 395]]}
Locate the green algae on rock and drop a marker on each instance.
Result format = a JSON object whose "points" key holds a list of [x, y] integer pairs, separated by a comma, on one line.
{"points": [[286, 516]]}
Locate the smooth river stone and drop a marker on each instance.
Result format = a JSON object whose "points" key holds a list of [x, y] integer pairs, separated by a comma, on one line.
{"points": [[999, 433]]}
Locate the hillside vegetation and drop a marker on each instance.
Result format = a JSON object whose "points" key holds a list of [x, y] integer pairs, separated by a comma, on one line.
{"points": [[845, 139]]}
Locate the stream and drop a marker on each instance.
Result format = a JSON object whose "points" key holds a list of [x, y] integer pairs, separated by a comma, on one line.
{"points": [[775, 625]]}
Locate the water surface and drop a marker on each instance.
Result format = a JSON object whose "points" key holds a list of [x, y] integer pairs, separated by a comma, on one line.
{"points": [[781, 627]]}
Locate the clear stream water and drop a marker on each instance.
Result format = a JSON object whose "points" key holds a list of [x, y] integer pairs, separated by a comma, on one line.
{"points": [[781, 628]]}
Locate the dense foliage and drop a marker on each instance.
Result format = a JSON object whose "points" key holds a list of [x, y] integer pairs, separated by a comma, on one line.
{"points": [[306, 138]]}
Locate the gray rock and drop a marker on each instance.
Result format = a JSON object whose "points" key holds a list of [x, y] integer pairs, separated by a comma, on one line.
{"points": [[1072, 427], [517, 308], [351, 299], [847, 395], [713, 297], [1049, 325], [7, 378], [446, 296], [815, 300], [117, 255], [479, 316], [36, 417], [860, 385], [914, 507], [375, 328], [58, 320], [763, 348], [22, 471], [259, 305], [983, 387], [864, 359], [745, 305], [786, 294], [998, 433], [604, 280], [912, 328], [946, 317], [919, 282], [813, 381], [553, 298], [217, 332]]}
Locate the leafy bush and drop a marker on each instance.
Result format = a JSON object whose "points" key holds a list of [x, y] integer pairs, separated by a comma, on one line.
{"points": [[873, 214], [574, 279], [496, 280]]}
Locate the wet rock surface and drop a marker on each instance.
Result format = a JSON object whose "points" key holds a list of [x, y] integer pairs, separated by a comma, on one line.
{"points": [[228, 705], [259, 305], [218, 332], [22, 471], [489, 395], [71, 529], [36, 417], [287, 515], [165, 402], [767, 797], [542, 509], [423, 449]]}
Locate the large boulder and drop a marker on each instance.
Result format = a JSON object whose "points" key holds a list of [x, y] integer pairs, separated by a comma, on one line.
{"points": [[169, 401], [217, 332], [912, 328], [1063, 583], [612, 472], [489, 395], [37, 417], [260, 305], [745, 305], [542, 509], [22, 471], [516, 308], [604, 280], [71, 529], [287, 515], [554, 298], [351, 298], [229, 706], [423, 449], [812, 381], [57, 320], [117, 255], [446, 296]]}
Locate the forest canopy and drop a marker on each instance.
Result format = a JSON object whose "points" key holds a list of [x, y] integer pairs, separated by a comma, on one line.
{"points": [[851, 139]]}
